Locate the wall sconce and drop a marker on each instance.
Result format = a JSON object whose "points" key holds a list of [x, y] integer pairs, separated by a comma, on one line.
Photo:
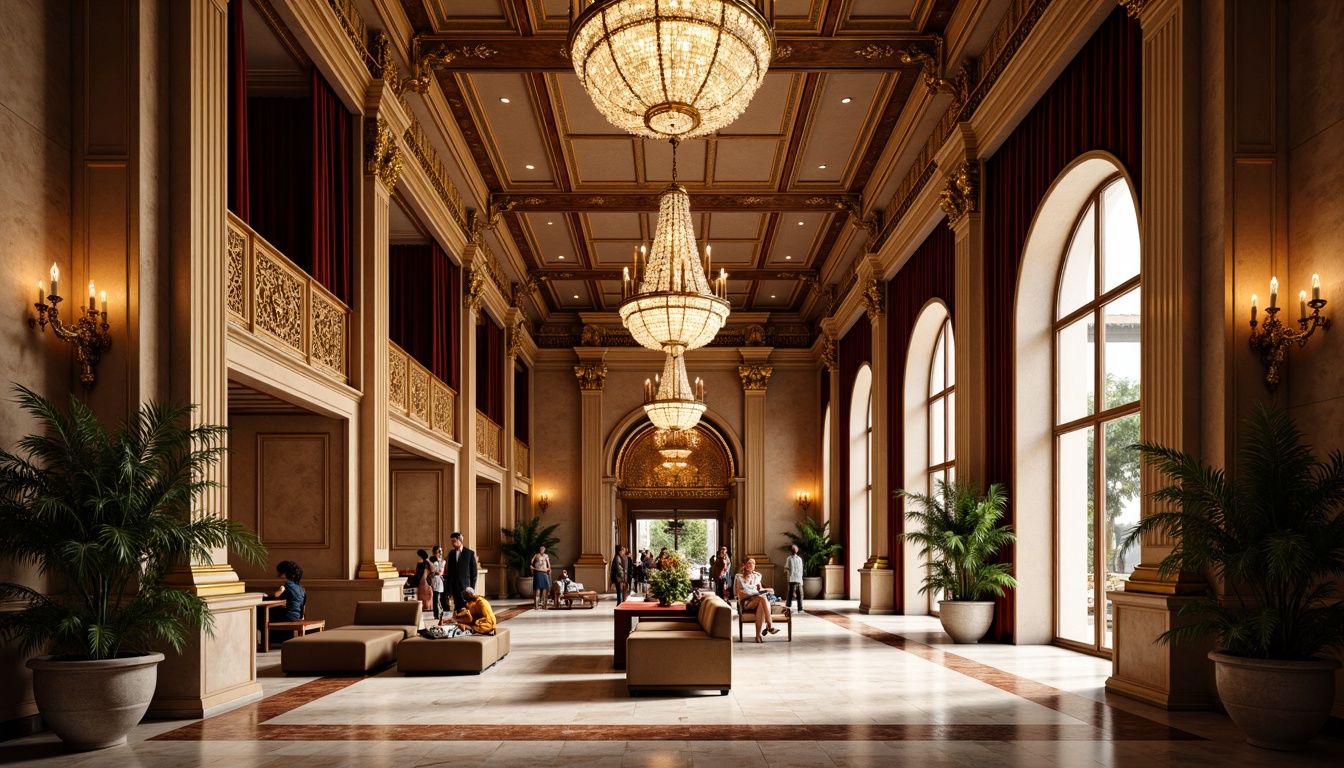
{"points": [[804, 500], [544, 500], [88, 334], [1273, 338]]}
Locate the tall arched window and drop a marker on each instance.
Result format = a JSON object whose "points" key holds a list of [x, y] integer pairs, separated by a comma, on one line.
{"points": [[942, 409], [826, 464], [860, 475], [1096, 406]]}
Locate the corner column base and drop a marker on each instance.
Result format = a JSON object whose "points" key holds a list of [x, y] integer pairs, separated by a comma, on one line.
{"points": [[1173, 677], [590, 570], [877, 591], [377, 569], [833, 582], [215, 672]]}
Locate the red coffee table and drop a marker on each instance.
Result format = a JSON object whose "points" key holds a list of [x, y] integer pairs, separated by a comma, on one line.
{"points": [[627, 612]]}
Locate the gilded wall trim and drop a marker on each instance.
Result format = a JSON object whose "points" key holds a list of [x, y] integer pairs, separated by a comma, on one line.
{"points": [[382, 155], [755, 377], [874, 298], [592, 376], [961, 194]]}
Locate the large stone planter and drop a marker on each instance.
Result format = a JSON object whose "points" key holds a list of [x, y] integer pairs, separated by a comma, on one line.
{"points": [[524, 586], [966, 620], [812, 587], [94, 704], [1277, 704]]}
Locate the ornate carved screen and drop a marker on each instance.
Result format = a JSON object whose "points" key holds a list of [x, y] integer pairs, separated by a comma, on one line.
{"points": [[642, 473]]}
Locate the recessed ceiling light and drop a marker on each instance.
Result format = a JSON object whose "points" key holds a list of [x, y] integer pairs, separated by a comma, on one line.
{"points": [[822, 166], [504, 101], [549, 223], [800, 223], [562, 258], [530, 167], [576, 295], [846, 100], [788, 258], [772, 295]]}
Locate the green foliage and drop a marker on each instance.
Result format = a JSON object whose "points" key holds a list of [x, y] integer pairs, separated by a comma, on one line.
{"points": [[1122, 466], [814, 544], [958, 537], [104, 514], [693, 541], [1274, 534], [672, 583], [524, 541]]}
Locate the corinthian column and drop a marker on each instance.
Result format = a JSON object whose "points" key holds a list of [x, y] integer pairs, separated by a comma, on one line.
{"points": [[877, 584], [596, 513], [755, 374]]}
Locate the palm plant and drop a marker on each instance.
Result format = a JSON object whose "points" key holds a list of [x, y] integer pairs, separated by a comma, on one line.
{"points": [[959, 535], [671, 582], [523, 542], [1273, 534], [814, 543], [104, 514]]}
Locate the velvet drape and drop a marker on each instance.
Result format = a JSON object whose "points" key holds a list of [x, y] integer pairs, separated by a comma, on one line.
{"points": [[929, 274], [855, 351], [522, 402], [423, 307], [280, 176], [490, 369], [1095, 104], [332, 161], [239, 197]]}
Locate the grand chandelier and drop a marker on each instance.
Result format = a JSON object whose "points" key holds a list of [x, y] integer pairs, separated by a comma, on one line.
{"points": [[675, 446], [675, 308], [671, 403], [671, 68]]}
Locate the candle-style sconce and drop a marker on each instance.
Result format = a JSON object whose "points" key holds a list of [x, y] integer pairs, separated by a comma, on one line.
{"points": [[804, 500], [544, 500], [88, 333], [1273, 337]]}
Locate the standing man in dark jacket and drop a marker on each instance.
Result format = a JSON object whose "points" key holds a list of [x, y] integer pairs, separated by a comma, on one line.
{"points": [[720, 571], [461, 571], [618, 581]]}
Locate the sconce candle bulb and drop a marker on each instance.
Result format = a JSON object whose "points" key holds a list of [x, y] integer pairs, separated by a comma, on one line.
{"points": [[55, 277], [1273, 293], [1315, 287], [1272, 337], [88, 333]]}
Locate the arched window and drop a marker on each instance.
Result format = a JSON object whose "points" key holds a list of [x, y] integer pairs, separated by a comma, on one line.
{"points": [[860, 475], [1096, 412], [826, 464], [942, 409]]}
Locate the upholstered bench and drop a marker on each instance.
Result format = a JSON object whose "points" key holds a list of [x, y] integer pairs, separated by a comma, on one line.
{"points": [[367, 644], [587, 598], [469, 653], [779, 614], [688, 653]]}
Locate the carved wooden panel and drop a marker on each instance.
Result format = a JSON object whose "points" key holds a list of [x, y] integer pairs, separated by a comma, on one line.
{"points": [[293, 482], [417, 507], [236, 298], [444, 406], [487, 439], [328, 334], [396, 379], [418, 394], [277, 293], [520, 454]]}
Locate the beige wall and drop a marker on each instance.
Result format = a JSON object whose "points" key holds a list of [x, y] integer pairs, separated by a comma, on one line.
{"points": [[423, 499], [555, 455]]}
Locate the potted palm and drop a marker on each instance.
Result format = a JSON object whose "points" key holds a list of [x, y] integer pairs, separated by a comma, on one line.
{"points": [[959, 536], [103, 514], [1273, 535], [523, 541], [815, 547], [672, 582]]}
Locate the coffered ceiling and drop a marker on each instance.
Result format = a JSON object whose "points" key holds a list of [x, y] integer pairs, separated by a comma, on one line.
{"points": [[771, 193]]}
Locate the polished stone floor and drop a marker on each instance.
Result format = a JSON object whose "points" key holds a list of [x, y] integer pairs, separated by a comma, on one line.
{"points": [[849, 690]]}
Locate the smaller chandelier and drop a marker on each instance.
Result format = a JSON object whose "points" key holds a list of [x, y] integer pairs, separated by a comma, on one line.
{"points": [[671, 403], [676, 445]]}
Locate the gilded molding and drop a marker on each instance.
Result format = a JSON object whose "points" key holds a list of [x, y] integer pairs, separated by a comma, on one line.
{"points": [[327, 345], [930, 68], [828, 358], [396, 379], [522, 291], [383, 156], [428, 56], [515, 341], [592, 376], [443, 406], [1133, 7], [961, 195], [874, 298], [236, 298], [593, 336], [417, 400], [419, 145], [475, 288], [278, 298], [753, 335], [875, 51], [755, 377]]}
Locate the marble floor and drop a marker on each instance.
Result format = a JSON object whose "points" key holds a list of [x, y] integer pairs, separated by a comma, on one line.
{"points": [[849, 690]]}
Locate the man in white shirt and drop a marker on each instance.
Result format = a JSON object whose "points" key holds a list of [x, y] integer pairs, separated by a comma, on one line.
{"points": [[793, 567]]}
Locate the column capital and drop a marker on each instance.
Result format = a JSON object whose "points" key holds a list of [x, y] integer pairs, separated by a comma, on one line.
{"points": [[592, 376], [961, 192], [755, 377], [824, 349], [874, 298], [382, 156], [475, 288]]}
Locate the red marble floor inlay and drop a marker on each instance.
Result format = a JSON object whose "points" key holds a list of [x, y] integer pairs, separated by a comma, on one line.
{"points": [[1113, 723], [1099, 722]]}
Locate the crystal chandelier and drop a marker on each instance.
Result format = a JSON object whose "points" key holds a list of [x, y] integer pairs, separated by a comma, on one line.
{"points": [[675, 446], [671, 403], [670, 68]]}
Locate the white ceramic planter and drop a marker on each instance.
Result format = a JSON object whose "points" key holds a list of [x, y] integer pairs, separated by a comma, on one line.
{"points": [[94, 704], [1277, 704], [966, 620], [812, 587]]}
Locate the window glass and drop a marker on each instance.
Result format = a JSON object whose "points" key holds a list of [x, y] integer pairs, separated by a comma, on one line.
{"points": [[1122, 350], [1074, 521], [1078, 283], [1076, 379], [1119, 235]]}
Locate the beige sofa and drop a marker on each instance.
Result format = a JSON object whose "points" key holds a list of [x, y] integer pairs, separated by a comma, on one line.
{"points": [[367, 644], [682, 654], [474, 653]]}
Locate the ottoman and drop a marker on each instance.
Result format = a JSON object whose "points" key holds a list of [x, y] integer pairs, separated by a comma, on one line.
{"points": [[472, 653]]}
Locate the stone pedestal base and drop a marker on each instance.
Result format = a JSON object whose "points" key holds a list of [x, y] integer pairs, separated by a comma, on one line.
{"points": [[1174, 677], [833, 582], [592, 571], [215, 672], [877, 590]]}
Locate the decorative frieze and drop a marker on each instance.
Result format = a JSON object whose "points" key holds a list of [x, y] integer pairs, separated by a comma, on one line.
{"points": [[828, 358], [755, 377], [471, 297], [961, 195], [382, 155], [515, 341], [592, 376]]}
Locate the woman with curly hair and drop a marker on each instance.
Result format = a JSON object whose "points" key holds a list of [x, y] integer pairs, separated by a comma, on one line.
{"points": [[294, 595]]}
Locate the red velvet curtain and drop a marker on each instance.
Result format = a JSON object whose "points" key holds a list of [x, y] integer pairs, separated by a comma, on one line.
{"points": [[929, 274], [239, 199], [522, 403], [423, 317], [280, 175], [1095, 104], [490, 369], [332, 159], [855, 350]]}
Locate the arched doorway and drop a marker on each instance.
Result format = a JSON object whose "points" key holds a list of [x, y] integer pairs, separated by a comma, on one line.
{"points": [[689, 501]]}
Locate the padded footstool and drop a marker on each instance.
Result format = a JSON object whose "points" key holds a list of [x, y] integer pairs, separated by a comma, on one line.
{"points": [[474, 653]]}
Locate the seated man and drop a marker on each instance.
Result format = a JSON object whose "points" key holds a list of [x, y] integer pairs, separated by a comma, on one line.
{"points": [[567, 584], [475, 618]]}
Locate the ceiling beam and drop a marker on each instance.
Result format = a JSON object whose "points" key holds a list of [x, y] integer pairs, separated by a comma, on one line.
{"points": [[607, 202], [466, 53], [616, 274]]}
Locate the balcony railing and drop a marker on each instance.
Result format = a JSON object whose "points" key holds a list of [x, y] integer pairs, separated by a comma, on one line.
{"points": [[488, 443], [520, 465], [282, 305], [418, 395]]}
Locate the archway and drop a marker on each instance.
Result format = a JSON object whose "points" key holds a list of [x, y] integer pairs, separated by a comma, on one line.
{"points": [[857, 545], [930, 347]]}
